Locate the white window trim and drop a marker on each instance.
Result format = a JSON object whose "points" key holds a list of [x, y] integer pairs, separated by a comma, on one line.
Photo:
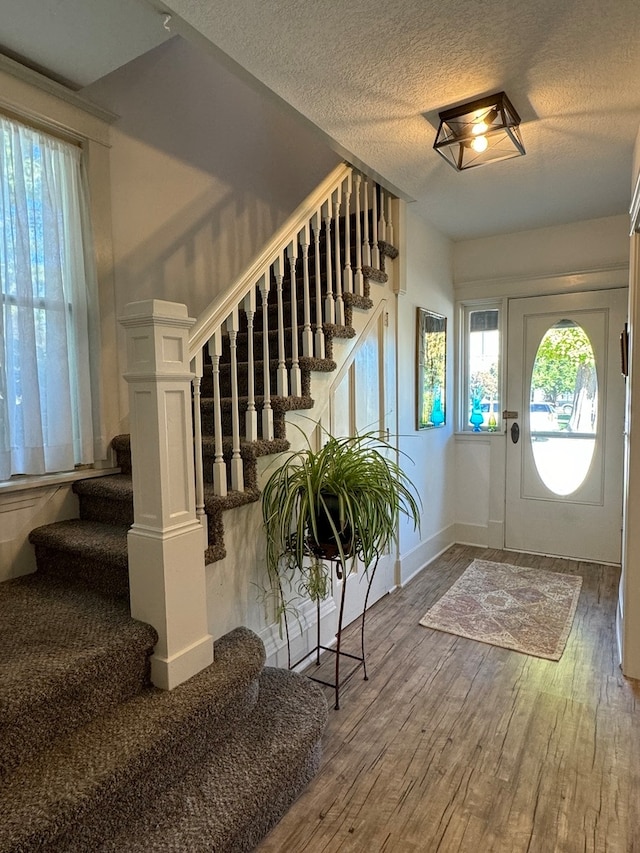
{"points": [[32, 98], [463, 309]]}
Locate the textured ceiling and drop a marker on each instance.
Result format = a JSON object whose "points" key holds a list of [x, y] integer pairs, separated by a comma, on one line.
{"points": [[78, 41], [368, 72], [373, 75]]}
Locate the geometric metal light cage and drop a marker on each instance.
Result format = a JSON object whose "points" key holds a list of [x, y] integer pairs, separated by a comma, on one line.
{"points": [[482, 131]]}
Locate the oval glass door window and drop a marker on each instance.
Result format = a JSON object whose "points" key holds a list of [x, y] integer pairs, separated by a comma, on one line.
{"points": [[563, 414]]}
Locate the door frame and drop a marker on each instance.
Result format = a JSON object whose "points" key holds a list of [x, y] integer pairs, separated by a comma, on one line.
{"points": [[487, 452], [531, 508]]}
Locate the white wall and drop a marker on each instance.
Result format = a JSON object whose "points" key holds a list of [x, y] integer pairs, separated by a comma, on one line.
{"points": [[204, 170], [628, 616], [579, 256], [425, 280], [591, 245]]}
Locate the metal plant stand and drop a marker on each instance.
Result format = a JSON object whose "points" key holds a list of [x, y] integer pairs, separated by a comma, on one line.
{"points": [[339, 679]]}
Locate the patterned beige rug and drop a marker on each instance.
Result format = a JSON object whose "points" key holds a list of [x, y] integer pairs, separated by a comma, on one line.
{"points": [[528, 610]]}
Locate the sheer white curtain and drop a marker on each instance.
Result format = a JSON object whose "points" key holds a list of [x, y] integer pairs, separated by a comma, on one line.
{"points": [[49, 397]]}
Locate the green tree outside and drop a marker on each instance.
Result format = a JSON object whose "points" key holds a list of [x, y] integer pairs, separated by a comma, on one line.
{"points": [[564, 364]]}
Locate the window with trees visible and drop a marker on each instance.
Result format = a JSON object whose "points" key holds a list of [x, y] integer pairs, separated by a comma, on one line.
{"points": [[49, 330], [564, 377], [480, 399]]}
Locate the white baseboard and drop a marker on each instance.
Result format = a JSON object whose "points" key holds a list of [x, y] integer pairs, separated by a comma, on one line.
{"points": [[472, 534], [495, 534], [619, 629], [413, 562], [302, 634]]}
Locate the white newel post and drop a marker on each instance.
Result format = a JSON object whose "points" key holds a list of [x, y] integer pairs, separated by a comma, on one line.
{"points": [[166, 554]]}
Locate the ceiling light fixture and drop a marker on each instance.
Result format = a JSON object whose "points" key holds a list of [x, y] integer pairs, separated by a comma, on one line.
{"points": [[482, 131]]}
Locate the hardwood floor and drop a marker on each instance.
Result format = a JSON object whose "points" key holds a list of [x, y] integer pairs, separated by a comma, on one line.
{"points": [[454, 745]]}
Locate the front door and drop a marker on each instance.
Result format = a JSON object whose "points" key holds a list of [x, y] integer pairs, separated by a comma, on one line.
{"points": [[564, 420]]}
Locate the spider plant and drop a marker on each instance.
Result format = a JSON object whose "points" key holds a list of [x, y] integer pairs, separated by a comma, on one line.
{"points": [[341, 502]]}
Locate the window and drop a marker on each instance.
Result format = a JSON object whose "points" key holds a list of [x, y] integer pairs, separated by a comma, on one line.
{"points": [[480, 398], [49, 339]]}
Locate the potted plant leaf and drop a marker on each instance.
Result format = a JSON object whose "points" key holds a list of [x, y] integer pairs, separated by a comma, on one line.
{"points": [[342, 502]]}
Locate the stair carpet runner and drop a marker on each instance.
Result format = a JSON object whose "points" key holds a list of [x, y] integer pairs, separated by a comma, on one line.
{"points": [[94, 758]]}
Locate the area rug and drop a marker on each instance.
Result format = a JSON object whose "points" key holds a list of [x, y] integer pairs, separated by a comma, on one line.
{"points": [[527, 610]]}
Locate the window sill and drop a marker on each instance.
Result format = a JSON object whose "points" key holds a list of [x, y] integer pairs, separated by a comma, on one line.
{"points": [[469, 435], [23, 484]]}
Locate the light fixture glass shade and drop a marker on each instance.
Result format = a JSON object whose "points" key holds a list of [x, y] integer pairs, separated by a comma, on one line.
{"points": [[482, 131]]}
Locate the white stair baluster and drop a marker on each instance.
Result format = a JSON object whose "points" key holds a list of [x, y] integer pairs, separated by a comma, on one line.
{"points": [[251, 415], [267, 411], [296, 375], [366, 246], [237, 476], [319, 337], [307, 334], [358, 279], [336, 239], [219, 467], [382, 225], [282, 378], [329, 304], [198, 369], [375, 249], [389, 235], [348, 272]]}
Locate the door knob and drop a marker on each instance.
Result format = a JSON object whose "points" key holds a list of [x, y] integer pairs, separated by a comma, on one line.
{"points": [[515, 432]]}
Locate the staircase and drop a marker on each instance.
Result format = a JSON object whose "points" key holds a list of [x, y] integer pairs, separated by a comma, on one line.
{"points": [[255, 349], [237, 385], [92, 757]]}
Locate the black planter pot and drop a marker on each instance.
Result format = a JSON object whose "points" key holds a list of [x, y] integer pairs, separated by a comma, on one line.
{"points": [[325, 545]]}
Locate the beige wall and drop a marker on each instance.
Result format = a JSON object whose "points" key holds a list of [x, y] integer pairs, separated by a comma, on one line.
{"points": [[628, 616], [204, 170], [426, 282], [591, 245]]}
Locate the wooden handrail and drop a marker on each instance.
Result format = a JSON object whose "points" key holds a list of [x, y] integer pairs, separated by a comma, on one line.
{"points": [[219, 309]]}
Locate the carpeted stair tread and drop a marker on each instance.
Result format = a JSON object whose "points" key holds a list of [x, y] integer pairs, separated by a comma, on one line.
{"points": [[248, 449], [388, 250], [125, 757], [85, 538], [89, 554], [231, 800], [305, 365], [66, 655], [121, 444], [344, 332], [115, 487], [305, 362], [106, 499], [354, 300], [278, 404]]}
